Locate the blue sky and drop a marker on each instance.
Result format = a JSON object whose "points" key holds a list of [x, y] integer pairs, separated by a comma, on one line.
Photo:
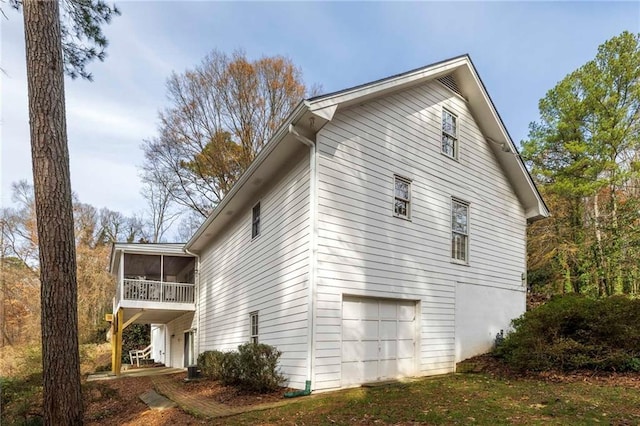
{"points": [[521, 50]]}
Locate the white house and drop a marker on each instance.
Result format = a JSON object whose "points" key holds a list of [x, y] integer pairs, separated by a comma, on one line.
{"points": [[380, 233]]}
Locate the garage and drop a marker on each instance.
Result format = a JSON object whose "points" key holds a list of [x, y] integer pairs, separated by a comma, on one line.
{"points": [[378, 339]]}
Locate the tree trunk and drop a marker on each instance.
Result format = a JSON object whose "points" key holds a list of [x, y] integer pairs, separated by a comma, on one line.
{"points": [[603, 284], [616, 241], [52, 187]]}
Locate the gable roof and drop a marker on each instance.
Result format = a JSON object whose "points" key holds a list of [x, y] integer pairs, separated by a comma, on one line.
{"points": [[458, 74]]}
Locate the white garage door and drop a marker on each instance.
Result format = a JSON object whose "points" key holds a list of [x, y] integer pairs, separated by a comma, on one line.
{"points": [[378, 339]]}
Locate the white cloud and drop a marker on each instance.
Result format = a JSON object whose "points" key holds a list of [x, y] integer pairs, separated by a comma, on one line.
{"points": [[109, 121]]}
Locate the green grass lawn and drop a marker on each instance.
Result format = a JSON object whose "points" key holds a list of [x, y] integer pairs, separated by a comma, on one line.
{"points": [[461, 399], [469, 398]]}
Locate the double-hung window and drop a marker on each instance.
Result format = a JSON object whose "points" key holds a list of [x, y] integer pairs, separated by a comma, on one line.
{"points": [[255, 221], [402, 197], [449, 134], [459, 231], [253, 320]]}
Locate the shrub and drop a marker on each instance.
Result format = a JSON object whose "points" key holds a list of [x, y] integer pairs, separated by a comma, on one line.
{"points": [[573, 332], [136, 336], [259, 367], [21, 400], [230, 368], [209, 363], [254, 367], [222, 366]]}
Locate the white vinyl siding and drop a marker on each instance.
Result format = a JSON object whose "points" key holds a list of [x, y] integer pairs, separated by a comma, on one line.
{"points": [[269, 274], [174, 335], [365, 251]]}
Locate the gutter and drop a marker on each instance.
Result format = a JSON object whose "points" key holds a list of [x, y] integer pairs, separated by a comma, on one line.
{"points": [[313, 249]]}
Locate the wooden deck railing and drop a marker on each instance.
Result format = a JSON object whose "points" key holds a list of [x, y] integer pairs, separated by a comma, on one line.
{"points": [[156, 291]]}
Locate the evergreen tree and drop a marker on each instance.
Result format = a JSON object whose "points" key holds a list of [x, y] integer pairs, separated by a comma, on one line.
{"points": [[584, 154]]}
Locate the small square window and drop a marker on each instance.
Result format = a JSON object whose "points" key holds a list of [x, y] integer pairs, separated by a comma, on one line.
{"points": [[459, 231], [449, 134], [402, 197], [253, 316], [255, 221]]}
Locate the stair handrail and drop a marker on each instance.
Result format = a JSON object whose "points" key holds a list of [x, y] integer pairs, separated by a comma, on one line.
{"points": [[138, 354]]}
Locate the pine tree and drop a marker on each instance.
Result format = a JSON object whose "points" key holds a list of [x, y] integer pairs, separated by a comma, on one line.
{"points": [[51, 49]]}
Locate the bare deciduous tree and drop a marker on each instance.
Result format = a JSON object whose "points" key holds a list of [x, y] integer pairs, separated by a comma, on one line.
{"points": [[114, 227], [161, 212], [222, 112]]}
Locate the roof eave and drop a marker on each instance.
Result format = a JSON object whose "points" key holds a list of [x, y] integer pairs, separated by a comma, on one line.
{"points": [[282, 131], [379, 87], [535, 207]]}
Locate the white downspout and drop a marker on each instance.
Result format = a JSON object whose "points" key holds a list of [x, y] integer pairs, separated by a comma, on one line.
{"points": [[196, 299], [313, 248]]}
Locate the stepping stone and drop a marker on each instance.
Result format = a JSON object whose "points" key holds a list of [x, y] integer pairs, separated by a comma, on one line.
{"points": [[156, 401]]}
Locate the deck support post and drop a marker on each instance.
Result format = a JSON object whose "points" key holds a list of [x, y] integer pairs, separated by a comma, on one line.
{"points": [[114, 331], [116, 342]]}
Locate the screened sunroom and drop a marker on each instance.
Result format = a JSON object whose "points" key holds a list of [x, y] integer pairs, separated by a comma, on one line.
{"points": [[156, 281]]}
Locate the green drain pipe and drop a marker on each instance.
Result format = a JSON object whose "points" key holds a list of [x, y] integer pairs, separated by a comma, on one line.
{"points": [[305, 392]]}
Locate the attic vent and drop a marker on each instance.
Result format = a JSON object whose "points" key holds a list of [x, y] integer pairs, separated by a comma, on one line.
{"points": [[449, 81]]}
